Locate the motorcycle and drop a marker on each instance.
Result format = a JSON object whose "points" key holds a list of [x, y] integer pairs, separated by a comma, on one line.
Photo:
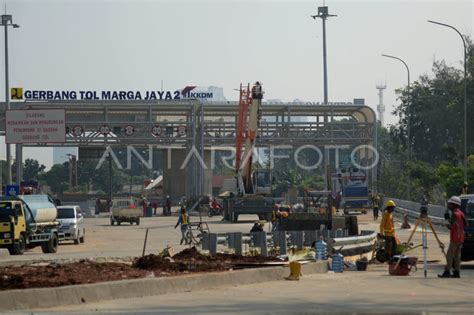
{"points": [[215, 211]]}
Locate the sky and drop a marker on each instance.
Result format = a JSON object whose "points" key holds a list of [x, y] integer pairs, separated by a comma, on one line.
{"points": [[136, 44]]}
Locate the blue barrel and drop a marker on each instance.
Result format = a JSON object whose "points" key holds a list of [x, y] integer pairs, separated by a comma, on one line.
{"points": [[321, 250], [337, 263]]}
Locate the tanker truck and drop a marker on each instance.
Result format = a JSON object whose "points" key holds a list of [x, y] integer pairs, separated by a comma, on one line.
{"points": [[28, 221]]}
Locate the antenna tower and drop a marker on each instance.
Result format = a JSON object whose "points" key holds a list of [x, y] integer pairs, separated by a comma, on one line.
{"points": [[381, 105]]}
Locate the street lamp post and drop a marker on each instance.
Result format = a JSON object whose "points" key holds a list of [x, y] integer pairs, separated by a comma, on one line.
{"points": [[323, 14], [408, 114], [6, 22], [465, 92]]}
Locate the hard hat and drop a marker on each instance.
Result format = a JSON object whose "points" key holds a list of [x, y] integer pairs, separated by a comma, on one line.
{"points": [[390, 203], [455, 200]]}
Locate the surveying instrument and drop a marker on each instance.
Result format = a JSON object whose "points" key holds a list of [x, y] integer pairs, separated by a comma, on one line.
{"points": [[424, 221]]}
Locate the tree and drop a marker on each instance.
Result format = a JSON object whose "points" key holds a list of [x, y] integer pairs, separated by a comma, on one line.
{"points": [[436, 107], [57, 178], [32, 170]]}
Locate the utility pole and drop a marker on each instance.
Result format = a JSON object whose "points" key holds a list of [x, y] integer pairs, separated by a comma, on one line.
{"points": [[6, 22], [465, 92], [408, 116], [323, 14]]}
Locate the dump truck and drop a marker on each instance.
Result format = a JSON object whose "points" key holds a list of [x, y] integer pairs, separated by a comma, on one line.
{"points": [[28, 221], [355, 192]]}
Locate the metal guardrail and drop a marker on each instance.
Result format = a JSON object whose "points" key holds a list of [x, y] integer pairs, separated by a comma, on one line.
{"points": [[412, 209], [351, 245]]}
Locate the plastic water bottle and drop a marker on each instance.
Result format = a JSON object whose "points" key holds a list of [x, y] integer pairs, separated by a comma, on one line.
{"points": [[321, 250], [338, 263]]}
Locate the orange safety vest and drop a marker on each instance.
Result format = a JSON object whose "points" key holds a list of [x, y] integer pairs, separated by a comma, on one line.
{"points": [[387, 226]]}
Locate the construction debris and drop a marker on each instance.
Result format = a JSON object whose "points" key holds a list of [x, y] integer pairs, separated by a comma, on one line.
{"points": [[53, 274]]}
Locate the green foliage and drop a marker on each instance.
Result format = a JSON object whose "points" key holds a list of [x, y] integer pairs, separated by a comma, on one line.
{"points": [[295, 178], [452, 177], [57, 178], [32, 170], [88, 177], [435, 105]]}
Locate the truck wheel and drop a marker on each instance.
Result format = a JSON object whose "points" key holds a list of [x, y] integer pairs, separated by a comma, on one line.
{"points": [[112, 221], [76, 240], [51, 246], [19, 247], [137, 221], [83, 236]]}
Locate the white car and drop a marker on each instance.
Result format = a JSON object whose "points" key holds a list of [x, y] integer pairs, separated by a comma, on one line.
{"points": [[72, 223]]}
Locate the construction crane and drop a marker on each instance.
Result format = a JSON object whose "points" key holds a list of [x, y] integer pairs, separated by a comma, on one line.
{"points": [[249, 181], [253, 186]]}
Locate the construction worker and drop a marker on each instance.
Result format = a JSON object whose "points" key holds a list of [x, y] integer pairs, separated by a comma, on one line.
{"points": [[257, 92], [183, 220], [257, 227], [387, 229], [457, 222], [275, 216], [167, 206], [375, 206]]}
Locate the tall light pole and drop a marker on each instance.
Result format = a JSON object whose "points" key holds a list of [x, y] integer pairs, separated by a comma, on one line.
{"points": [[408, 114], [465, 92], [6, 22], [323, 14]]}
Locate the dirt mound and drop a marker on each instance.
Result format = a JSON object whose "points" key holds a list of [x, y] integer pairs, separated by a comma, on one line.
{"points": [[191, 254], [85, 271], [54, 275], [157, 263]]}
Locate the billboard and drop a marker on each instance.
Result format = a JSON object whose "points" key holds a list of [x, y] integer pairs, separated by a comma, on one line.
{"points": [[35, 126]]}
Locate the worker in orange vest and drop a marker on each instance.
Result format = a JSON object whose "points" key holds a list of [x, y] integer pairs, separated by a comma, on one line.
{"points": [[387, 229]]}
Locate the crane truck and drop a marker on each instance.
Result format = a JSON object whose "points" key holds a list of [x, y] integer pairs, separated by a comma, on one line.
{"points": [[27, 221], [252, 187]]}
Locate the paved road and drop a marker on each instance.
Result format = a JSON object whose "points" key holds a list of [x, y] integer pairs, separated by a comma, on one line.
{"points": [[103, 240], [354, 292], [373, 291]]}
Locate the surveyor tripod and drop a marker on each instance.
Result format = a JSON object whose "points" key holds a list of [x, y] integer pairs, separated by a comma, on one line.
{"points": [[424, 221]]}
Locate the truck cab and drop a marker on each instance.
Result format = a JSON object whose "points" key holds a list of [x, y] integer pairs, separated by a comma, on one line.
{"points": [[12, 227], [29, 221], [467, 207]]}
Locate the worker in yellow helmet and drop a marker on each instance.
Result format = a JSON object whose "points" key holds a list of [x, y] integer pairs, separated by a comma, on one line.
{"points": [[183, 220], [387, 229]]}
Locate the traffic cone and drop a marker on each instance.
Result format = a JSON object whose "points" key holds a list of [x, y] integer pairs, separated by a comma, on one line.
{"points": [[295, 271]]}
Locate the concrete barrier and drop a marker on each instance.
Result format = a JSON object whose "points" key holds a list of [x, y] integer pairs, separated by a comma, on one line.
{"points": [[30, 299]]}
